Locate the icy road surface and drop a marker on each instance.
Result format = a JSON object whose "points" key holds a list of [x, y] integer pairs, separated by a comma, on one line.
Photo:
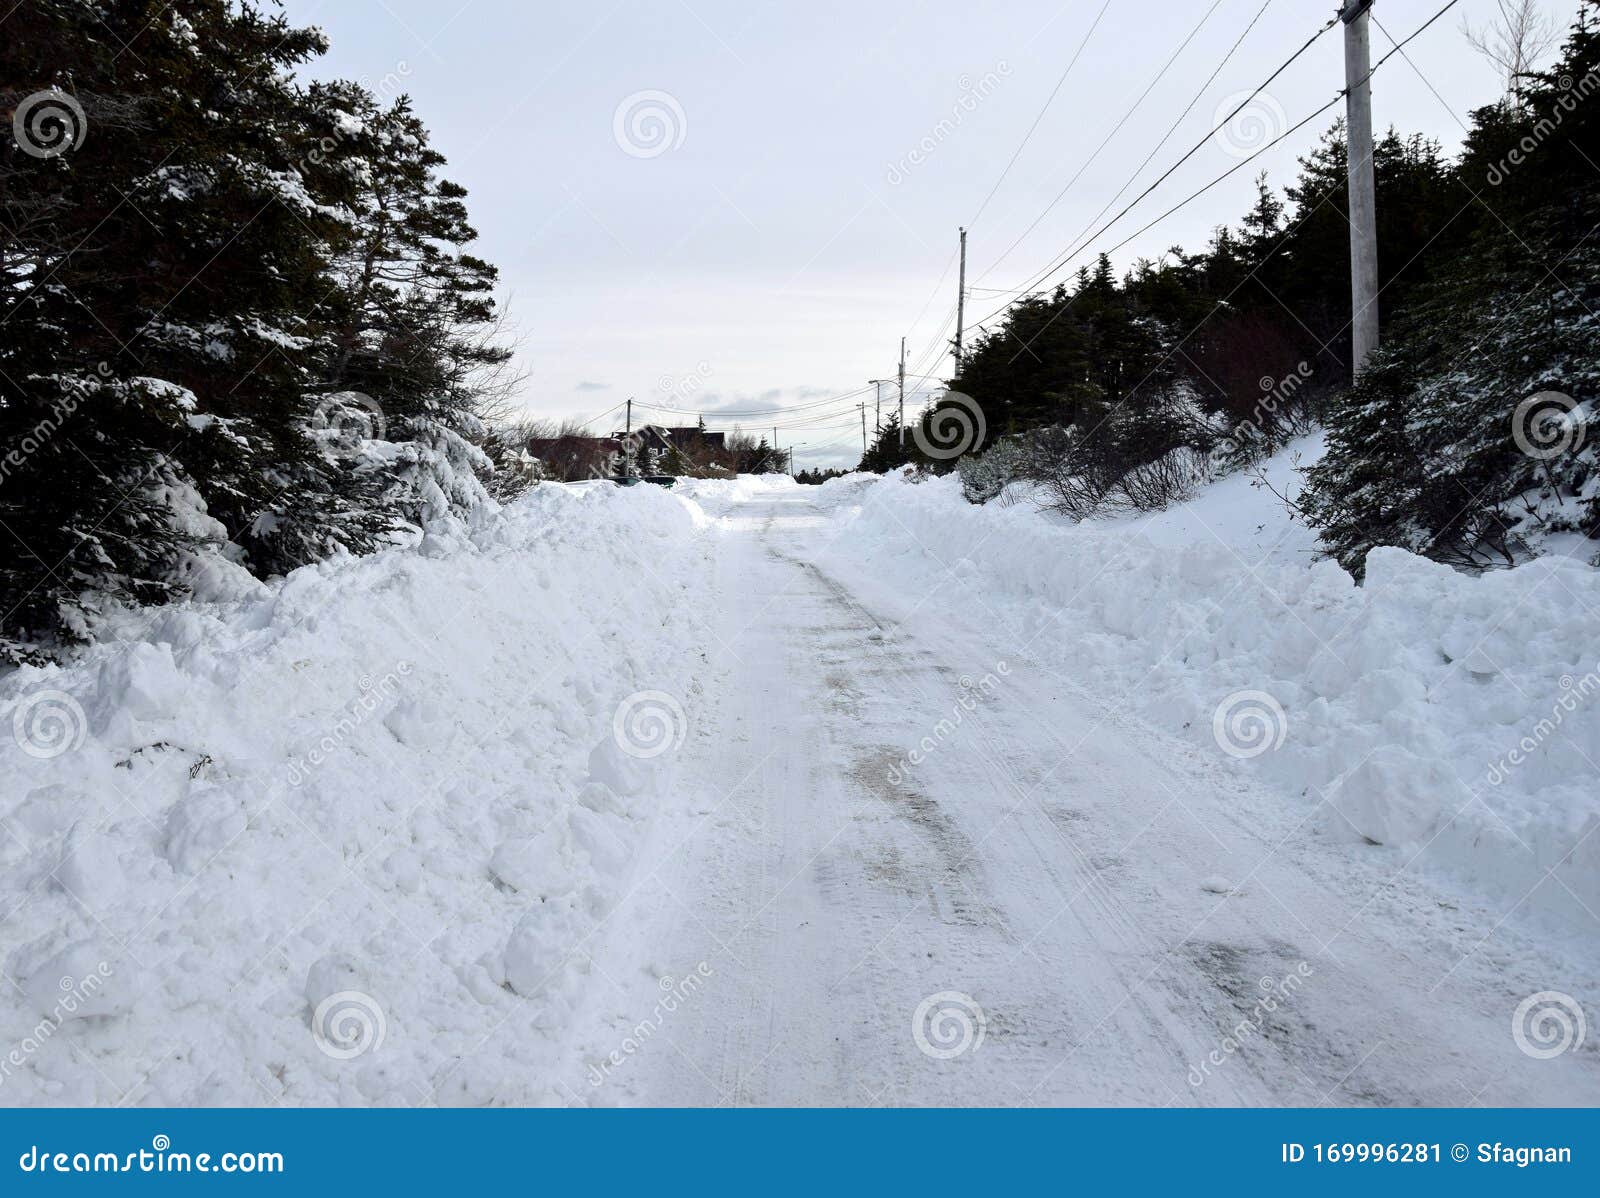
{"points": [[1048, 904]]}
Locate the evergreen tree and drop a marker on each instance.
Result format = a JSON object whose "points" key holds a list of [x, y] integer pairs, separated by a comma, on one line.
{"points": [[1478, 410], [194, 362]]}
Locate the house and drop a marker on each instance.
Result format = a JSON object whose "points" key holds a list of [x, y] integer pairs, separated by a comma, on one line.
{"points": [[662, 438]]}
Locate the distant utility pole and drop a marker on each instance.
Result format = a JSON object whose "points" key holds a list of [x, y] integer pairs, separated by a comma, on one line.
{"points": [[877, 388], [961, 301], [629, 430], [863, 408], [1363, 198], [902, 393]]}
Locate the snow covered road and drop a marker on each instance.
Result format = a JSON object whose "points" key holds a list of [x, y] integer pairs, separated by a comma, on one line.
{"points": [[915, 864], [753, 793]]}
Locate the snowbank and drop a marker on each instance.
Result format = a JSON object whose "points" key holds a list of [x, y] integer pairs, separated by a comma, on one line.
{"points": [[1454, 719], [334, 840]]}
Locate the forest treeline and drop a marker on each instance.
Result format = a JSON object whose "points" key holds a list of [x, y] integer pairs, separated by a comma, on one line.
{"points": [[1467, 435]]}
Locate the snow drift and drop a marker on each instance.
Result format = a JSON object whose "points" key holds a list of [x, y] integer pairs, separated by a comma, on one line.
{"points": [[383, 801], [1453, 719]]}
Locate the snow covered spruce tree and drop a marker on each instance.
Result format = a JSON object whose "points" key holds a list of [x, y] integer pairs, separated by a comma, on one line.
{"points": [[1471, 436], [409, 343], [178, 298], [155, 300]]}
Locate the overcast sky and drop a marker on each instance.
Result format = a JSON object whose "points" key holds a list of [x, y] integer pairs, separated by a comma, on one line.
{"points": [[724, 205]]}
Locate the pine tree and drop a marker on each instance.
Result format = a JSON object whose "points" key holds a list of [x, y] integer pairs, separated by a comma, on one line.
{"points": [[410, 326], [161, 284], [1478, 414]]}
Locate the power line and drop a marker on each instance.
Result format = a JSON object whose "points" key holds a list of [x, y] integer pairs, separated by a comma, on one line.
{"points": [[1050, 99], [607, 412], [750, 411], [1340, 95], [1115, 129], [1292, 129], [1173, 128], [1073, 251]]}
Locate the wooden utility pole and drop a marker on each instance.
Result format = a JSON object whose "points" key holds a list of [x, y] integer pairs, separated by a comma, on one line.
{"points": [[961, 301], [877, 389], [1363, 198], [902, 393]]}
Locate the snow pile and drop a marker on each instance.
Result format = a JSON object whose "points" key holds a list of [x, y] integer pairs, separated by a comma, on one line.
{"points": [[344, 838], [1453, 718]]}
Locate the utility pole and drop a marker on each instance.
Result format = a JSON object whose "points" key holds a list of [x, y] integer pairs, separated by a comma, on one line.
{"points": [[863, 408], [877, 388], [628, 431], [1363, 199], [902, 393], [961, 301]]}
